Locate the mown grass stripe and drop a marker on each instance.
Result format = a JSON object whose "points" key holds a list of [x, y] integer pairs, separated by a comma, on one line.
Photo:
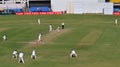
{"points": [[90, 38]]}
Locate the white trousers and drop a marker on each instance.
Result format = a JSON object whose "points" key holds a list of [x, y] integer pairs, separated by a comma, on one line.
{"points": [[14, 55], [21, 60], [33, 56]]}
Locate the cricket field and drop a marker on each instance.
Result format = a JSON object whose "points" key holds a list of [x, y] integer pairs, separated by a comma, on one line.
{"points": [[95, 38]]}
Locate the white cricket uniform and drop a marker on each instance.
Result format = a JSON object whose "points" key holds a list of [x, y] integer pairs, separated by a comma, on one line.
{"points": [[39, 37], [73, 53], [15, 54], [62, 25], [21, 60], [38, 21], [58, 29], [4, 37], [50, 27], [33, 55]]}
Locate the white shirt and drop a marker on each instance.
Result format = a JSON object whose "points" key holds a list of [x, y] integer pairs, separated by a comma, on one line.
{"points": [[50, 26], [33, 52], [4, 37], [38, 21], [39, 37], [73, 52], [62, 23], [115, 21], [14, 52], [21, 55]]}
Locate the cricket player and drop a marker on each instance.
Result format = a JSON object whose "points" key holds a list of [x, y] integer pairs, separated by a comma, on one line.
{"points": [[116, 22], [73, 53], [4, 37], [50, 28], [33, 55], [15, 54], [63, 24], [58, 29], [39, 37], [21, 60], [38, 21]]}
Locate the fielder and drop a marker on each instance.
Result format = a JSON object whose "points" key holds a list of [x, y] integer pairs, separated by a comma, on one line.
{"points": [[33, 55], [63, 24], [15, 54], [50, 28], [4, 37], [21, 60], [73, 53], [38, 21]]}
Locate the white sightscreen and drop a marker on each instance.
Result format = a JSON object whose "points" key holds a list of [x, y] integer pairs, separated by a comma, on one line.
{"points": [[58, 5], [62, 5], [83, 7], [87, 1], [78, 9], [101, 1], [108, 8]]}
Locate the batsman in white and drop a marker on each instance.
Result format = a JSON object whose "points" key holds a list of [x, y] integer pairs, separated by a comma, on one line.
{"points": [[39, 37], [15, 54], [33, 55], [73, 53], [21, 59]]}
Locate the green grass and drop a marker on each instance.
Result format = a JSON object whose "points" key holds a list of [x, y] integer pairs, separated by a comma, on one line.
{"points": [[94, 37]]}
